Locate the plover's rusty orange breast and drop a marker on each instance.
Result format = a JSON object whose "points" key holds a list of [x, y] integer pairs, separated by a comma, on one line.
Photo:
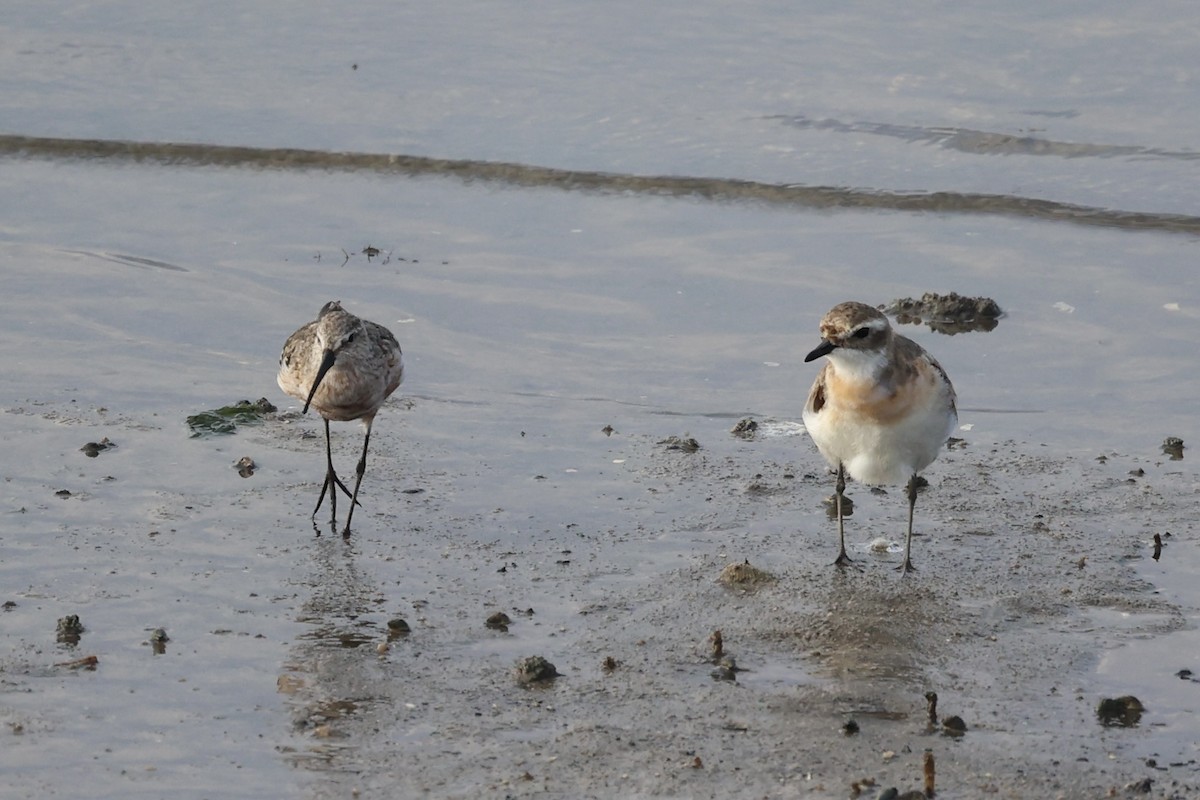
{"points": [[880, 409]]}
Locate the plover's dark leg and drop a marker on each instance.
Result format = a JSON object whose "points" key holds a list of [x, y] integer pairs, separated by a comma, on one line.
{"points": [[842, 559], [907, 566]]}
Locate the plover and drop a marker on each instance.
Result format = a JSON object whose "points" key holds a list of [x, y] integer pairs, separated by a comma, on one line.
{"points": [[880, 409]]}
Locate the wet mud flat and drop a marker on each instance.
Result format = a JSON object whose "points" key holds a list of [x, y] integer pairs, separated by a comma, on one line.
{"points": [[783, 677], [388, 664]]}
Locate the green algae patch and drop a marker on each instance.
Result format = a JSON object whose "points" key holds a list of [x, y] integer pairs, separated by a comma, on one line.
{"points": [[226, 419]]}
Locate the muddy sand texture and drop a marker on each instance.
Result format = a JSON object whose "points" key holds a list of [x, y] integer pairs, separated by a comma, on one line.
{"points": [[753, 668], [702, 644]]}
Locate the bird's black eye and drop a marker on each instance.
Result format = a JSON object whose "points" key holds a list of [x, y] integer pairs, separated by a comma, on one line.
{"points": [[862, 333], [350, 338]]}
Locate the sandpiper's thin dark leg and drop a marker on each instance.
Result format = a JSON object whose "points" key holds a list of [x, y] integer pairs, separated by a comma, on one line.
{"points": [[362, 468], [907, 566], [331, 480], [842, 559]]}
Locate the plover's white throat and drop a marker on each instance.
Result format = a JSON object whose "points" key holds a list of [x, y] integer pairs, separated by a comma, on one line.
{"points": [[880, 409], [344, 367]]}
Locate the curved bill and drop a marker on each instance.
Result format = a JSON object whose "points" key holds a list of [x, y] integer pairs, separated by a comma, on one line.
{"points": [[326, 363]]}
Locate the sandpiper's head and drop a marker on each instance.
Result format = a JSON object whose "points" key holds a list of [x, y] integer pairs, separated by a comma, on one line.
{"points": [[336, 328], [852, 328]]}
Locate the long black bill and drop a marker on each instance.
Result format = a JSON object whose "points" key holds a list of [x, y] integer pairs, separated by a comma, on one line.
{"points": [[823, 349], [326, 363]]}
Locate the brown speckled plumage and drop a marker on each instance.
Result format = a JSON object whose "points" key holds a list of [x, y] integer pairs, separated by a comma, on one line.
{"points": [[344, 367]]}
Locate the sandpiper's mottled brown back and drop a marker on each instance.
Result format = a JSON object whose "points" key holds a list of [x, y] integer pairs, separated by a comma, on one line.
{"points": [[345, 367]]}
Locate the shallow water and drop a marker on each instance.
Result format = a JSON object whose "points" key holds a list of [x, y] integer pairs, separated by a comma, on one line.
{"points": [[684, 191]]}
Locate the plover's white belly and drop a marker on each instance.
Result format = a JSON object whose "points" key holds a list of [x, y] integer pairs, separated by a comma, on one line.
{"points": [[880, 438], [877, 454]]}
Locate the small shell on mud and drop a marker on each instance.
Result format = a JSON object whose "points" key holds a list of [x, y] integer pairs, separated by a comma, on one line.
{"points": [[1122, 712], [498, 622], [535, 669], [158, 641], [745, 428], [727, 669], [1172, 446], [954, 726], [685, 443], [93, 449], [717, 643], [70, 629]]}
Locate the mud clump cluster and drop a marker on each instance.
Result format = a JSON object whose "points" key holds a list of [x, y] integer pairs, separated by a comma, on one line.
{"points": [[946, 313], [1172, 447], [745, 575], [535, 670], [1120, 712]]}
